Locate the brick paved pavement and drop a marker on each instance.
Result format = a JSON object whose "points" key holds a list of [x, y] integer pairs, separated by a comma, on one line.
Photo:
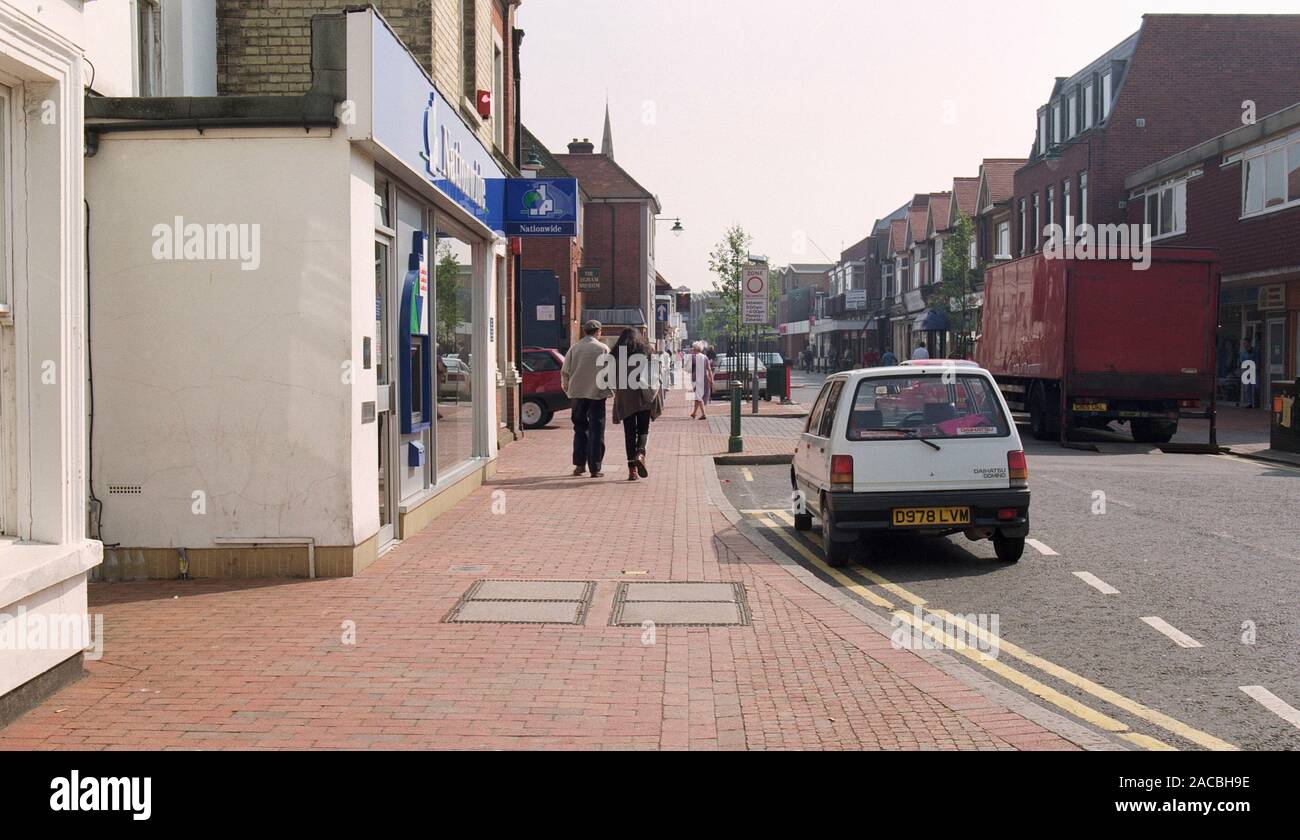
{"points": [[262, 664]]}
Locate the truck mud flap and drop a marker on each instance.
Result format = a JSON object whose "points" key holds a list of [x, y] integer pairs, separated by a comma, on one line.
{"points": [[1082, 447]]}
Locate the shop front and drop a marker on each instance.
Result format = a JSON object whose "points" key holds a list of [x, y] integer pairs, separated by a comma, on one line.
{"points": [[1256, 324], [298, 328]]}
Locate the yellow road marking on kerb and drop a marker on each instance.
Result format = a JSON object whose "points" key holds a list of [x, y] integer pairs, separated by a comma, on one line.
{"points": [[843, 579], [1084, 684], [1146, 742], [749, 476], [910, 597]]}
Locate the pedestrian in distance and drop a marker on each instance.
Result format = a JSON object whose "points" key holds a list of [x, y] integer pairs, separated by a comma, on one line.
{"points": [[579, 379], [637, 400], [701, 374], [920, 352], [888, 359], [871, 358]]}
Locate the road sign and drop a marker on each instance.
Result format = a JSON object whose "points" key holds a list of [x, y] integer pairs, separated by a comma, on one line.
{"points": [[753, 286], [661, 313]]}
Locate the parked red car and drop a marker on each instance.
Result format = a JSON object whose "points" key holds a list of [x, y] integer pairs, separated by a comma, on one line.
{"points": [[542, 395]]}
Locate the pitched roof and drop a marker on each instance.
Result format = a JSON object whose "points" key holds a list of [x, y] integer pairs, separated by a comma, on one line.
{"points": [[997, 180], [937, 217], [601, 177], [964, 192], [898, 235], [551, 167], [916, 218]]}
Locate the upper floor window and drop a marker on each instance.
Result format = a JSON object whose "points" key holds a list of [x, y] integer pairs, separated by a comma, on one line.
{"points": [[1072, 107], [1271, 177], [498, 94], [1051, 205], [1066, 217], [1083, 198], [1105, 94], [1024, 229], [469, 49], [148, 47], [1042, 132], [1038, 222], [1089, 105], [1003, 241], [1166, 209], [1056, 122]]}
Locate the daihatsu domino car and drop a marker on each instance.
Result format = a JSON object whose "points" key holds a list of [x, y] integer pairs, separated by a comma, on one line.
{"points": [[927, 447]]}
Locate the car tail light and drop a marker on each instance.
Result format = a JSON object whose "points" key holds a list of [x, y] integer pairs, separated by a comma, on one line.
{"points": [[1189, 403], [842, 470], [1007, 514], [1018, 469]]}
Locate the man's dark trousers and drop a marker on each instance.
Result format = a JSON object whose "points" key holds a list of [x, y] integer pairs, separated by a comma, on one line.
{"points": [[589, 434]]}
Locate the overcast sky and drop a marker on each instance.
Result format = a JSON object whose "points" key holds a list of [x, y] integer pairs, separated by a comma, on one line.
{"points": [[805, 121]]}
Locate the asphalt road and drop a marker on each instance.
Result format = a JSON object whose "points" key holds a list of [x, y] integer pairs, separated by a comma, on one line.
{"points": [[1198, 549]]}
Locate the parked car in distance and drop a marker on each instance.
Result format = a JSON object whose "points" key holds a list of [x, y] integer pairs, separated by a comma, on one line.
{"points": [[737, 367], [771, 358], [542, 394], [926, 447], [455, 385]]}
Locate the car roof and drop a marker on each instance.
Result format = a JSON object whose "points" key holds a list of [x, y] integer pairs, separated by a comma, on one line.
{"points": [[933, 367]]}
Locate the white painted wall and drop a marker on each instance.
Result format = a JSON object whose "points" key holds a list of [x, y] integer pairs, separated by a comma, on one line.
{"points": [[215, 379]]}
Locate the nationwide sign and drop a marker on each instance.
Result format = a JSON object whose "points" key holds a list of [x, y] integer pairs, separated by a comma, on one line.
{"points": [[541, 207], [753, 287]]}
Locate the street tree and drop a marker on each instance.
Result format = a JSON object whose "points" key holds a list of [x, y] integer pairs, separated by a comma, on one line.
{"points": [[726, 261], [953, 294]]}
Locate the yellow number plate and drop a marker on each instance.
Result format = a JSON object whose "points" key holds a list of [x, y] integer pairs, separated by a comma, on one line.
{"points": [[925, 517], [1090, 406]]}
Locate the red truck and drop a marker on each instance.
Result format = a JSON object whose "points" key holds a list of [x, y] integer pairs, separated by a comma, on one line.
{"points": [[1079, 343]]}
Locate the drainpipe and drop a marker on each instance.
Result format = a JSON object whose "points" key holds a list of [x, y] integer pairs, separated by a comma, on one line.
{"points": [[309, 542]]}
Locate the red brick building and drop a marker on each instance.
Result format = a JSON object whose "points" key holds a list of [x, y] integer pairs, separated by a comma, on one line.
{"points": [[1238, 192], [1176, 80], [618, 238]]}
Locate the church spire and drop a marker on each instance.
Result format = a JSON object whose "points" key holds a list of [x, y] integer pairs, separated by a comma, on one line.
{"points": [[607, 141]]}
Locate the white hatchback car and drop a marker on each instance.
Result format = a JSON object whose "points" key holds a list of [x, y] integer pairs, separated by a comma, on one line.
{"points": [[927, 447]]}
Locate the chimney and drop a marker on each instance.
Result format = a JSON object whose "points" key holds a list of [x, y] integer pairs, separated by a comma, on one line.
{"points": [[581, 147]]}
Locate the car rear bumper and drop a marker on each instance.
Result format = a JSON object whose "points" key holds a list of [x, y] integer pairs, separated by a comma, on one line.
{"points": [[872, 511]]}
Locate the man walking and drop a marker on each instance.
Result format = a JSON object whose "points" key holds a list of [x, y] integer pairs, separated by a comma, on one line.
{"points": [[579, 379]]}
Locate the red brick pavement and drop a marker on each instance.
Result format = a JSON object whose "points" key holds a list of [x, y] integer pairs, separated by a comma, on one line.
{"points": [[262, 664]]}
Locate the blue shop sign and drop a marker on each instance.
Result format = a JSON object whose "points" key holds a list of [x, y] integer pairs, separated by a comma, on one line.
{"points": [[541, 207], [418, 126]]}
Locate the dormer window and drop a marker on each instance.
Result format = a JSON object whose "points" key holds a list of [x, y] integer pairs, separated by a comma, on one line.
{"points": [[1072, 105], [1042, 132], [1106, 91], [1089, 105], [1056, 122]]}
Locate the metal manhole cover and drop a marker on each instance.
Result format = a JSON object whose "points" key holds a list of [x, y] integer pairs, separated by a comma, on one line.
{"points": [[523, 602], [680, 604]]}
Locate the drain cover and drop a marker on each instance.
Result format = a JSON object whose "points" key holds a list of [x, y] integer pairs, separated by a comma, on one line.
{"points": [[680, 604], [523, 602]]}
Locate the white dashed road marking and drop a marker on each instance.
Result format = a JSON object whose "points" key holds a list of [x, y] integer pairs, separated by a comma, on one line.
{"points": [[1096, 583], [1041, 548], [1273, 703], [1179, 637]]}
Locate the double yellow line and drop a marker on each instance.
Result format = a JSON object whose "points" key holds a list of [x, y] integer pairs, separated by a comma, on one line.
{"points": [[1033, 686]]}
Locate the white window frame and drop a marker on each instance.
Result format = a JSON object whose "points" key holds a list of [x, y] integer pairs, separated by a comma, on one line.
{"points": [[1051, 205], [148, 83], [1083, 198], [1042, 132], [1002, 234], [1170, 190], [1089, 104], [1067, 221], [1107, 91], [8, 384], [1056, 123], [1038, 222], [1072, 118], [1024, 228], [6, 205], [1288, 148]]}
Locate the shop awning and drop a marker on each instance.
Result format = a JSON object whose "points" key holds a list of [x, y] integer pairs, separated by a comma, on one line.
{"points": [[931, 320]]}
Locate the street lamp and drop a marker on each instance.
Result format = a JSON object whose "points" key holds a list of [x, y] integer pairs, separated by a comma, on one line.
{"points": [[677, 229]]}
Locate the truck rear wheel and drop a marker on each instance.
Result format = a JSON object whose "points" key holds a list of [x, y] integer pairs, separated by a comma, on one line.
{"points": [[1044, 421]]}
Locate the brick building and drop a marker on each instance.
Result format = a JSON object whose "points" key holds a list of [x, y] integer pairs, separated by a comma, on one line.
{"points": [[1238, 192], [1165, 88], [618, 240], [800, 285], [994, 217]]}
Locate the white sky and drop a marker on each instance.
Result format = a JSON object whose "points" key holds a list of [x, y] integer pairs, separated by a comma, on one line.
{"points": [[805, 121]]}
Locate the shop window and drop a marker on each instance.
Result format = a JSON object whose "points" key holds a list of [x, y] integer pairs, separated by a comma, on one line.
{"points": [[416, 381], [455, 323]]}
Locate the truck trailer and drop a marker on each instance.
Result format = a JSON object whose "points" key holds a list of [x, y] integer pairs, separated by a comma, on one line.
{"points": [[1078, 343]]}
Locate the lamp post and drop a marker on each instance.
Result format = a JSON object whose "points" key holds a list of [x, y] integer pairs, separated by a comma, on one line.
{"points": [[676, 229]]}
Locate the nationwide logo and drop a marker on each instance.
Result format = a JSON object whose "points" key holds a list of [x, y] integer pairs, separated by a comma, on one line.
{"points": [[538, 202]]}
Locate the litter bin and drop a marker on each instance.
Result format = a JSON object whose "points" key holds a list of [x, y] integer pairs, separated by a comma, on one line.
{"points": [[1284, 434], [778, 381]]}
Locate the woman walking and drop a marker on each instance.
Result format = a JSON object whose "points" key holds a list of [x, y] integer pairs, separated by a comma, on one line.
{"points": [[701, 374], [637, 401]]}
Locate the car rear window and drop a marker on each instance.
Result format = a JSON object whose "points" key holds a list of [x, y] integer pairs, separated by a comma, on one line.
{"points": [[935, 406]]}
